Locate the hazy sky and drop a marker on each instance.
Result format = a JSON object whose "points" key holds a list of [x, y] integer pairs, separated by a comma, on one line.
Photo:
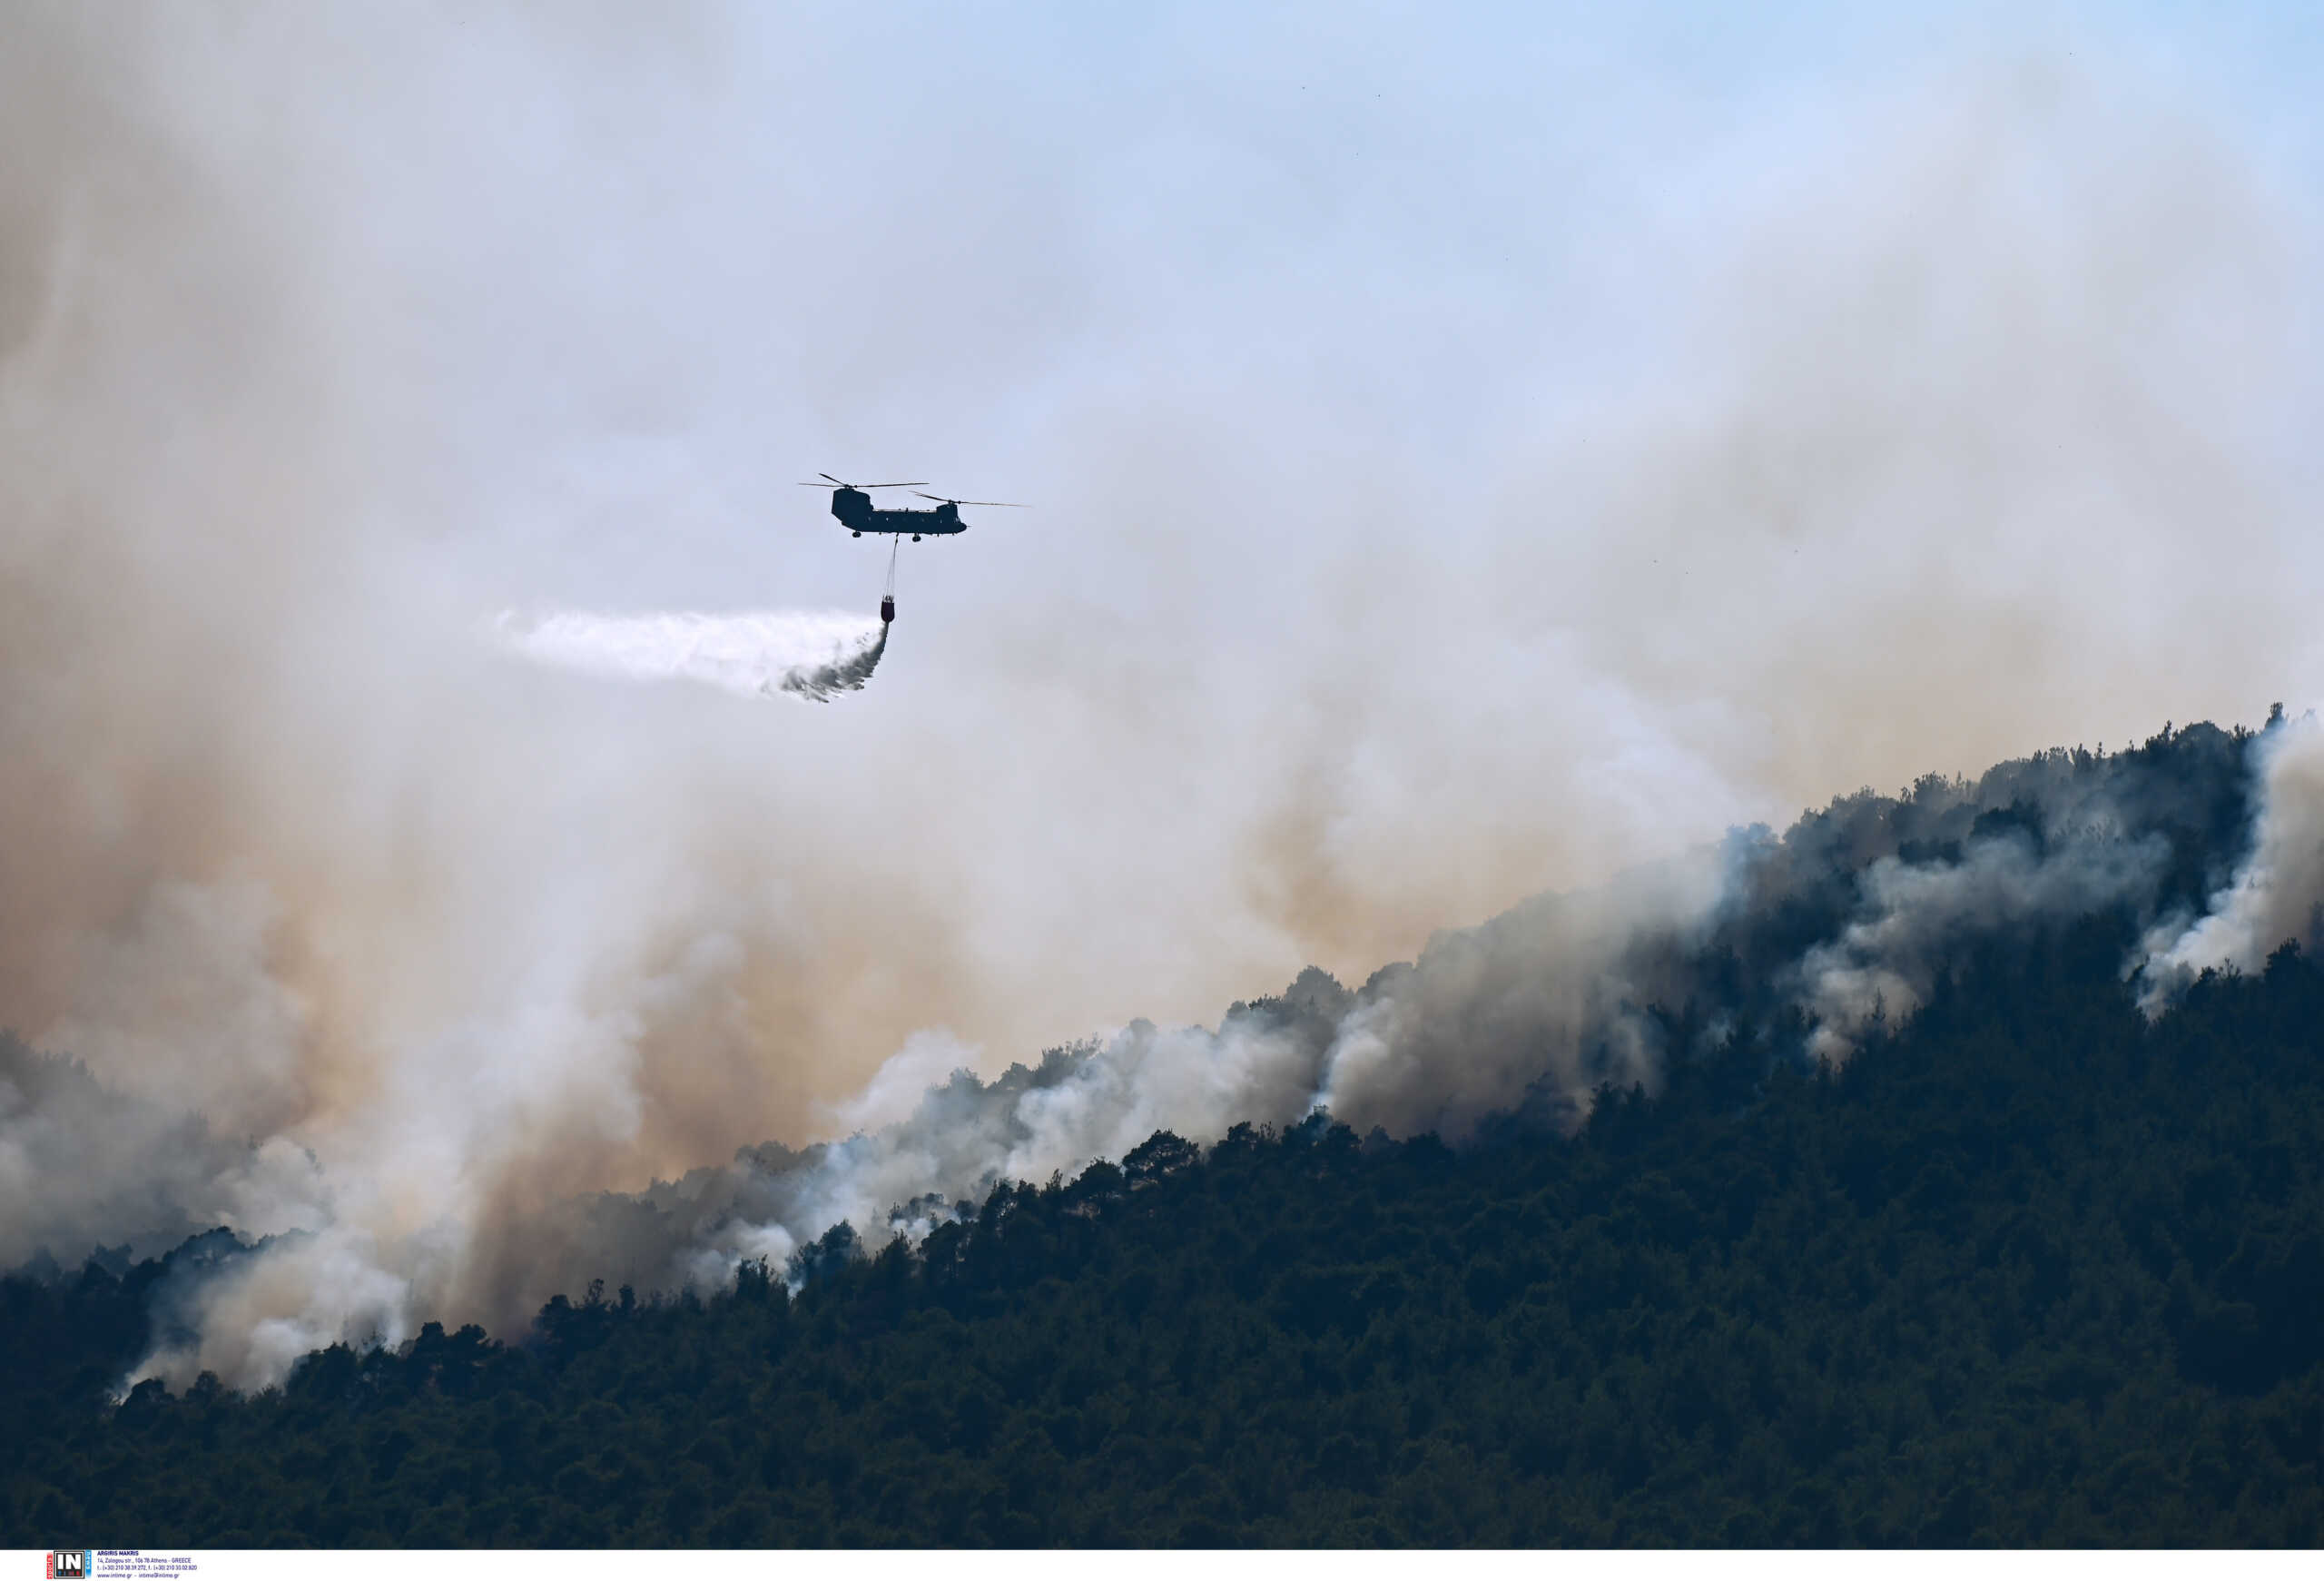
{"points": [[1469, 454]]}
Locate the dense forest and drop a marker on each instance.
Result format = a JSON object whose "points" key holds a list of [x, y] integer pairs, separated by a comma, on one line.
{"points": [[2024, 1265], [2027, 1270]]}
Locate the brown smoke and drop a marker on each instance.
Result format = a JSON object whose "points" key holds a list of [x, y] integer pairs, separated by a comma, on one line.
{"points": [[283, 844], [1946, 455]]}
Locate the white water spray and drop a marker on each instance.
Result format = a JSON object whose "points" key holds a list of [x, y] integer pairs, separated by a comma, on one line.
{"points": [[807, 654]]}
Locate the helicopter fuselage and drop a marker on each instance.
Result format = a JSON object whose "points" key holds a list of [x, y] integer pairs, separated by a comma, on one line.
{"points": [[857, 514]]}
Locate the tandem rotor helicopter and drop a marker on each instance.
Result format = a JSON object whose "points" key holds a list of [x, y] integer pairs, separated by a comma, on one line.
{"points": [[851, 503]]}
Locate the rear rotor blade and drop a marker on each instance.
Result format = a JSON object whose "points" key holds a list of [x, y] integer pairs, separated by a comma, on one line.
{"points": [[941, 499]]}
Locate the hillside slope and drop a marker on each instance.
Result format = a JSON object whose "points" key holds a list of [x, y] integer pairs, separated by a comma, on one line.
{"points": [[2028, 1269]]}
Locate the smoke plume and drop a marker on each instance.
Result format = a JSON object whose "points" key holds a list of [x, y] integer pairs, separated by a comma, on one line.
{"points": [[1454, 490], [2275, 897], [1520, 1021]]}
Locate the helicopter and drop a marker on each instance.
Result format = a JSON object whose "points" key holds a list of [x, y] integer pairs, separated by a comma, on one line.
{"points": [[851, 503]]}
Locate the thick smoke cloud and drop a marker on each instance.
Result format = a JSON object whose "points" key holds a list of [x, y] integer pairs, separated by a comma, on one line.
{"points": [[1522, 1019], [2276, 895], [1466, 471], [1543, 998], [104, 1167]]}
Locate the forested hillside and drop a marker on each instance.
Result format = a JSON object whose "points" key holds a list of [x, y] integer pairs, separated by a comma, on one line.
{"points": [[2027, 1269]]}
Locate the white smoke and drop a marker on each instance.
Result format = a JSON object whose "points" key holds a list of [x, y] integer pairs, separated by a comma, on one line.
{"points": [[257, 1315], [1097, 1102], [1885, 963], [2275, 897], [806, 654]]}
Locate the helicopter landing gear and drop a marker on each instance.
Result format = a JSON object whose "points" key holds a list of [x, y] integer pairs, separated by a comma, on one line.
{"points": [[915, 537], [859, 535]]}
